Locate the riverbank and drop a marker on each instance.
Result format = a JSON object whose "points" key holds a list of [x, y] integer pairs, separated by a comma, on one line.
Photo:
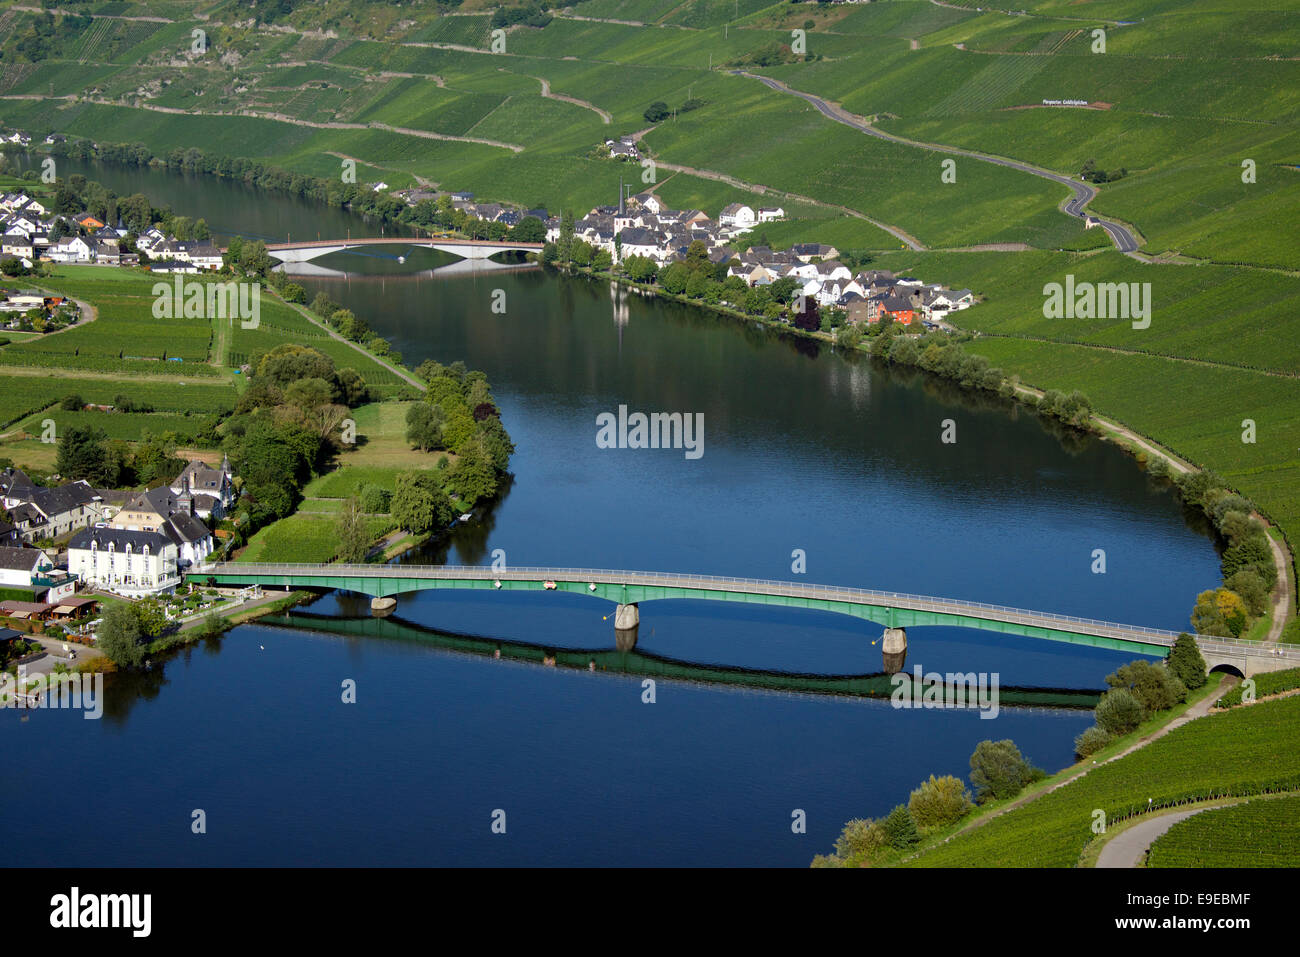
{"points": [[1145, 449]]}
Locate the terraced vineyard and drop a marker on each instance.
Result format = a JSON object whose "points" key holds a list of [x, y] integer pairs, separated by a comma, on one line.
{"points": [[1264, 832], [1230, 754]]}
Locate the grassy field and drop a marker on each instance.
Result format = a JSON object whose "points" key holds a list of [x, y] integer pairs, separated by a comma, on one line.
{"points": [[379, 456], [1264, 832], [302, 538], [1234, 753]]}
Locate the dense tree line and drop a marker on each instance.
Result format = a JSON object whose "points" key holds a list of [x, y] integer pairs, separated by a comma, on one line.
{"points": [[459, 415], [287, 424]]}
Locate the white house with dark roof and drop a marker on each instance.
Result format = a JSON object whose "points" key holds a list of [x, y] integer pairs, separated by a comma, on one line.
{"points": [[172, 515], [20, 566], [212, 489], [125, 561], [737, 216]]}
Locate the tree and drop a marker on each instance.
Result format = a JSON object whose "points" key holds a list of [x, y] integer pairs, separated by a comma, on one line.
{"points": [[424, 426], [805, 314], [530, 229], [939, 801], [119, 636], [1155, 686], [420, 505], [657, 111], [287, 363], [564, 244], [998, 770], [1118, 712], [1207, 618], [83, 454], [354, 536], [473, 476], [1186, 662], [900, 828]]}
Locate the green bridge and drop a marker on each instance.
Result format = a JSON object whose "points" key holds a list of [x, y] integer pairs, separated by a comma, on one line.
{"points": [[628, 589]]}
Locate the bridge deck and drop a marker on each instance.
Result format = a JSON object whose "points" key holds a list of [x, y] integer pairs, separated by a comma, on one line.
{"points": [[325, 575]]}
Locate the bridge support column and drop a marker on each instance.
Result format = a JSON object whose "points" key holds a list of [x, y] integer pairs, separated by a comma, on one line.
{"points": [[627, 619], [893, 646], [625, 638], [382, 606], [627, 616]]}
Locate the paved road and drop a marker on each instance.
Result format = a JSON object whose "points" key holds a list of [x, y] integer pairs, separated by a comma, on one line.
{"points": [[1127, 849], [336, 575], [1083, 192]]}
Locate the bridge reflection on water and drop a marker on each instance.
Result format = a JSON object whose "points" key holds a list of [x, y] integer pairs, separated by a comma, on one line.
{"points": [[631, 662]]}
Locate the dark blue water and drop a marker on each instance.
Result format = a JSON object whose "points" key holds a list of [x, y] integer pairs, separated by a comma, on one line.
{"points": [[803, 450]]}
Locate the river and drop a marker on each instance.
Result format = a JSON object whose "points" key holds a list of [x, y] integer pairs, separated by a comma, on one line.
{"points": [[803, 450]]}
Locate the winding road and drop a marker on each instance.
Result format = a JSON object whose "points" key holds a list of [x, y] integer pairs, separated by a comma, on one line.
{"points": [[1083, 193], [1129, 848]]}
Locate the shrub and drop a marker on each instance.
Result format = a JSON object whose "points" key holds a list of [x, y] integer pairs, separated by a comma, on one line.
{"points": [[1092, 741], [860, 840], [1119, 712], [939, 801], [374, 499], [998, 770]]}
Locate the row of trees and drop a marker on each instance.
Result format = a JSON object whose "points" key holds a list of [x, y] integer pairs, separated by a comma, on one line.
{"points": [[998, 772], [86, 452], [1140, 690], [1248, 567]]}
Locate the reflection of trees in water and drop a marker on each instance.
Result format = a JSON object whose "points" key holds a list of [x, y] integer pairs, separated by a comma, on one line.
{"points": [[124, 688], [470, 539]]}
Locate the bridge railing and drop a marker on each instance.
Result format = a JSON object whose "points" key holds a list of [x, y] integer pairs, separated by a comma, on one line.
{"points": [[716, 583]]}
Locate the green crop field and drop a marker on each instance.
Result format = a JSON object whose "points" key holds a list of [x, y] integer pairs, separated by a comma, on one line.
{"points": [[1269, 683], [129, 426], [303, 538], [1234, 753], [21, 395], [1264, 832]]}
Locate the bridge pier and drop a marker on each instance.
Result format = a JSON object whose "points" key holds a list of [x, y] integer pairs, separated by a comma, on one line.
{"points": [[627, 616], [625, 638], [382, 606], [627, 619], [893, 647]]}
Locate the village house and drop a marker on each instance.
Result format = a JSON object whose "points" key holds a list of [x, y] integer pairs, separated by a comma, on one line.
{"points": [[40, 513], [172, 515], [212, 489], [737, 217], [129, 562], [69, 249]]}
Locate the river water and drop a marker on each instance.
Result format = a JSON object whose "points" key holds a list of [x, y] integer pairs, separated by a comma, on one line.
{"points": [[803, 450]]}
